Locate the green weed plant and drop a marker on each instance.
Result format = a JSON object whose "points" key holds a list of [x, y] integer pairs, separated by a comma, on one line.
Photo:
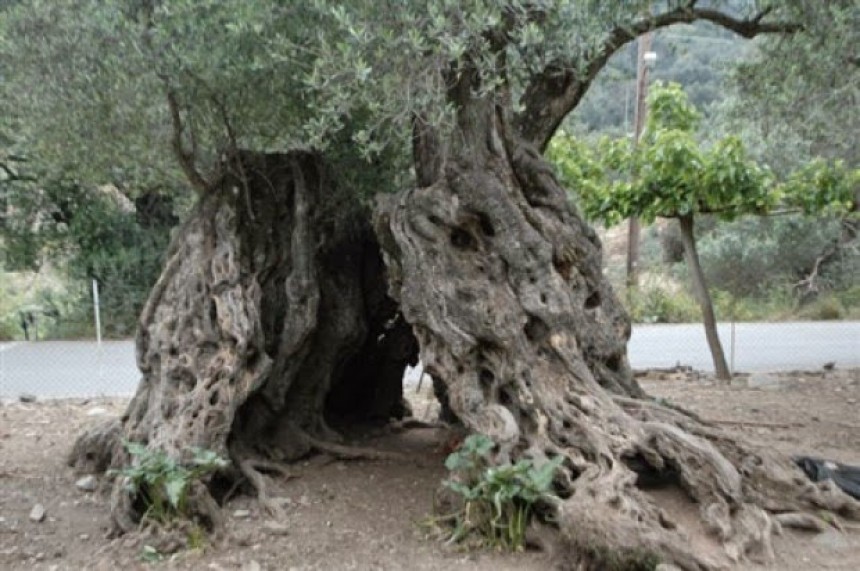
{"points": [[162, 483], [499, 501]]}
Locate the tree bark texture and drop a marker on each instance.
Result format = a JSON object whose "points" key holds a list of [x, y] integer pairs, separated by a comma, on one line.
{"points": [[269, 323], [703, 296], [501, 281]]}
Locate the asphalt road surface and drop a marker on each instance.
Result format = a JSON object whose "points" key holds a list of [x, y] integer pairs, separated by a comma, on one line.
{"points": [[52, 369]]}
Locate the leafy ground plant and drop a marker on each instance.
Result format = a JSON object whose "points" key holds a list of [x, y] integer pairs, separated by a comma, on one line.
{"points": [[497, 502], [161, 483]]}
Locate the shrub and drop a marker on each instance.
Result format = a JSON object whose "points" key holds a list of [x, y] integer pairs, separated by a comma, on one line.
{"points": [[654, 303], [161, 483], [752, 255], [825, 308], [850, 298], [498, 501]]}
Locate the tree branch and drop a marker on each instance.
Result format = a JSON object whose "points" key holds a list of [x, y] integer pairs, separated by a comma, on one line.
{"points": [[185, 156], [14, 176], [555, 92]]}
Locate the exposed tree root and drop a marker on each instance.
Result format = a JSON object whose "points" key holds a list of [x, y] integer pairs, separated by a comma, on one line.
{"points": [[248, 468], [345, 452], [799, 520], [94, 450], [759, 424], [414, 423]]}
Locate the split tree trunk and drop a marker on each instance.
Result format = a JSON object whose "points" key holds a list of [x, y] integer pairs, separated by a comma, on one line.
{"points": [[703, 296], [501, 281], [269, 324]]}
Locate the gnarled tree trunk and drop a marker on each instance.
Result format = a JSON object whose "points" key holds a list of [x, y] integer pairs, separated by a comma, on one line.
{"points": [[275, 287], [270, 315], [502, 283]]}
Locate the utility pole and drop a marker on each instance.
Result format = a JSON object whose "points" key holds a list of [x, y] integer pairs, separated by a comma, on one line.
{"points": [[644, 57]]}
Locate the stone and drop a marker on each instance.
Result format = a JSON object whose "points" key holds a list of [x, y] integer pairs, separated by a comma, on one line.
{"points": [[38, 513], [832, 539], [667, 567], [87, 483], [242, 514], [275, 528], [27, 397], [252, 566], [97, 411]]}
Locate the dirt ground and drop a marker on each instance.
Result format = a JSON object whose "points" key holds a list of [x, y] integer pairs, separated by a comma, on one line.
{"points": [[365, 515]]}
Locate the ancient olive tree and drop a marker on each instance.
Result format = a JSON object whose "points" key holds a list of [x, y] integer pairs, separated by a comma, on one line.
{"points": [[273, 309]]}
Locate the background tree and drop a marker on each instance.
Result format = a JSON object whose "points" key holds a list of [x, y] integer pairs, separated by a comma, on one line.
{"points": [[670, 175], [274, 288]]}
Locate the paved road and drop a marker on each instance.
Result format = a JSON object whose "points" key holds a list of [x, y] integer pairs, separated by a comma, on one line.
{"points": [[51, 369], [757, 346]]}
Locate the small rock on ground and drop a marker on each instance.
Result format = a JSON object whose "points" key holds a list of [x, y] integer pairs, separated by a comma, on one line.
{"points": [[27, 397], [275, 528], [38, 513], [832, 539], [87, 483]]}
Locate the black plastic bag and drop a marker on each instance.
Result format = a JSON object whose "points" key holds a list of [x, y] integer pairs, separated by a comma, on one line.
{"points": [[845, 476]]}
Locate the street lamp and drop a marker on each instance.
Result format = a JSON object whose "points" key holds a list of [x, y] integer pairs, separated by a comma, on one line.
{"points": [[645, 60], [650, 58]]}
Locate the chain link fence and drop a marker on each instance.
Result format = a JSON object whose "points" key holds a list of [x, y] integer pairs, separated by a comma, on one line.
{"points": [[47, 366], [69, 346]]}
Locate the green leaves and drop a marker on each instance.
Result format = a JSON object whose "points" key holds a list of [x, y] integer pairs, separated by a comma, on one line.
{"points": [[669, 109], [669, 174], [474, 451], [498, 500], [162, 483], [822, 187]]}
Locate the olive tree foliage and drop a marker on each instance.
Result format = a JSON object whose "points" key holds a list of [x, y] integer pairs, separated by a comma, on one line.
{"points": [[669, 174], [399, 59], [118, 91], [807, 105], [139, 99]]}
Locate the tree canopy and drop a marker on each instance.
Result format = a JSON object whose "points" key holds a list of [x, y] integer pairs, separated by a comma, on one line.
{"points": [[111, 88], [807, 105], [670, 174]]}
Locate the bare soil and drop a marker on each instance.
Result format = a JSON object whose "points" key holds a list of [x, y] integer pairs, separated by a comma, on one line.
{"points": [[366, 515]]}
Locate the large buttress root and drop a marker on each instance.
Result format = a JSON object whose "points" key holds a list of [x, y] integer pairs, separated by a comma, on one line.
{"points": [[502, 283], [272, 298]]}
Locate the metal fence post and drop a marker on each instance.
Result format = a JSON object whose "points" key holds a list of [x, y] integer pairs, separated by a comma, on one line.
{"points": [[97, 310]]}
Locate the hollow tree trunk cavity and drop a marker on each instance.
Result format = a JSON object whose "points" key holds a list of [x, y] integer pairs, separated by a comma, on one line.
{"points": [[703, 296], [502, 283], [269, 325]]}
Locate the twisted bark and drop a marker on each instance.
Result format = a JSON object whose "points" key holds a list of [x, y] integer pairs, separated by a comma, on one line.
{"points": [[501, 281], [270, 313]]}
